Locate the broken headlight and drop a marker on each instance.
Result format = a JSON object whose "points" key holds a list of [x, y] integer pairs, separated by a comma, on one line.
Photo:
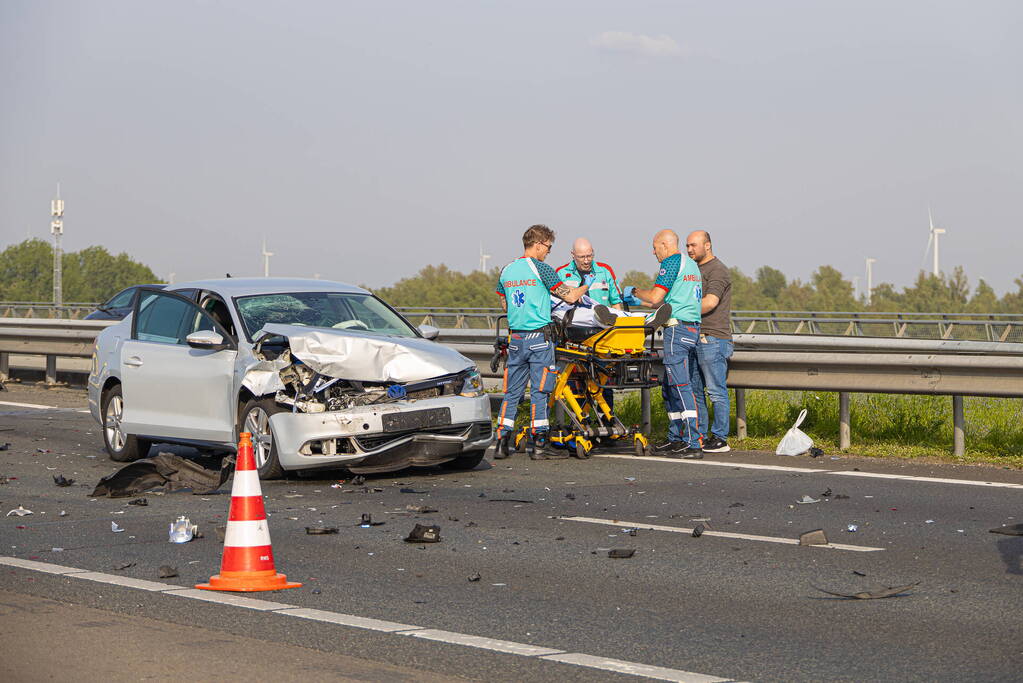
{"points": [[473, 385]]}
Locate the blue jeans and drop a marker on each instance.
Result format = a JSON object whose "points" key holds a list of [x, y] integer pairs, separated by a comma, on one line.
{"points": [[530, 359], [676, 385], [712, 364]]}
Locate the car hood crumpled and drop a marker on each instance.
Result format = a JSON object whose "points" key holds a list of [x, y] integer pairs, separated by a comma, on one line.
{"points": [[362, 357]]}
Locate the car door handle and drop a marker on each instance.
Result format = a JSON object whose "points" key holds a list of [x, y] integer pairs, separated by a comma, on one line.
{"points": [[134, 361]]}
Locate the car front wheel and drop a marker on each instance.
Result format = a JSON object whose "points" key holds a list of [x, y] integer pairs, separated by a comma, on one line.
{"points": [[255, 419], [121, 446]]}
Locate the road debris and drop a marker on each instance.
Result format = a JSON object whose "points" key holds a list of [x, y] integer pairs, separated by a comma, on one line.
{"points": [[124, 565], [509, 500], [424, 534], [807, 500], [4, 446], [166, 571], [408, 490], [59, 480], [20, 512], [815, 537], [165, 469], [737, 505], [816, 452], [141, 502], [1014, 530], [883, 592], [116, 529], [320, 530], [474, 577], [826, 494], [367, 521], [182, 530], [852, 528], [358, 480], [621, 553], [795, 441], [698, 530], [420, 509]]}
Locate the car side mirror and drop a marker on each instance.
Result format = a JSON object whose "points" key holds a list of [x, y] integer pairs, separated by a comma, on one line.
{"points": [[208, 340], [429, 331]]}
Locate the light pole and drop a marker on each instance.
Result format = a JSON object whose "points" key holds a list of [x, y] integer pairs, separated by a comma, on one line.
{"points": [[57, 230], [266, 259], [870, 277]]}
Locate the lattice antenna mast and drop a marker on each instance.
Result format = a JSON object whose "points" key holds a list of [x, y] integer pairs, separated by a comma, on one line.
{"points": [[57, 230]]}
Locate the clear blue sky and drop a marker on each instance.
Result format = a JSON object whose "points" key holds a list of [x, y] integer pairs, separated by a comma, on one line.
{"points": [[365, 140]]}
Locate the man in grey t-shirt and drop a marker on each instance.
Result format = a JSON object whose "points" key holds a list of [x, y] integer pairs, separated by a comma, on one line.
{"points": [[715, 347]]}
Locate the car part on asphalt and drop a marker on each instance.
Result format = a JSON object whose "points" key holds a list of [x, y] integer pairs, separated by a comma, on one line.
{"points": [[164, 469], [885, 592], [140, 502], [1013, 530], [807, 500], [320, 530], [20, 512], [182, 530], [815, 537], [621, 553], [422, 533], [59, 480], [475, 576], [124, 565], [116, 529], [698, 530]]}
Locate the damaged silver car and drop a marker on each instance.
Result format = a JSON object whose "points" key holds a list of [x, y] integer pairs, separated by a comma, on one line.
{"points": [[323, 374]]}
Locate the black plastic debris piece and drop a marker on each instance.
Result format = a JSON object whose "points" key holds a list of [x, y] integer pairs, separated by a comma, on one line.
{"points": [[366, 521], [1014, 530], [4, 446], [698, 530], [140, 502], [560, 538], [737, 505], [124, 565], [570, 496], [316, 591], [320, 530], [470, 524], [841, 496], [482, 495], [826, 494], [859, 573], [621, 553], [815, 452], [475, 576], [166, 571], [358, 480], [815, 537], [59, 480], [424, 534], [509, 500], [406, 490], [165, 469], [885, 592]]}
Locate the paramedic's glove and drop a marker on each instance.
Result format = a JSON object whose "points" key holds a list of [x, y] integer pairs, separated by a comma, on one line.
{"points": [[630, 298], [500, 355], [588, 279]]}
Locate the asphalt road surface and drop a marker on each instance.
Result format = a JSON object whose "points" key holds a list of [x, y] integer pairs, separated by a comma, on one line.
{"points": [[739, 603]]}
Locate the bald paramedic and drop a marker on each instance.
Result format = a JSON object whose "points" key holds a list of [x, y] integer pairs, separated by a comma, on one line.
{"points": [[585, 269], [525, 287]]}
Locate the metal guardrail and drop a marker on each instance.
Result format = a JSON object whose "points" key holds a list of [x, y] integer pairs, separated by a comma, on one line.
{"points": [[790, 362]]}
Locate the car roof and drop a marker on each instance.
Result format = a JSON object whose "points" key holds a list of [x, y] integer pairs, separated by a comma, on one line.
{"points": [[247, 286]]}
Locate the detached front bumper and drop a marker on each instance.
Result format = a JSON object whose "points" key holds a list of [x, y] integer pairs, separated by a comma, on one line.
{"points": [[365, 439]]}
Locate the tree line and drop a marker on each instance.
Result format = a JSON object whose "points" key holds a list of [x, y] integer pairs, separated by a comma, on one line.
{"points": [[92, 274], [767, 290]]}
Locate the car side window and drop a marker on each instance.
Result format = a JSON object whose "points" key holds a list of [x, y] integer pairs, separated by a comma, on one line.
{"points": [[163, 317], [122, 299]]}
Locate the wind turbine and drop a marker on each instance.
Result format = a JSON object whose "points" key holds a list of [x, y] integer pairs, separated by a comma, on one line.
{"points": [[266, 259], [483, 259], [933, 238]]}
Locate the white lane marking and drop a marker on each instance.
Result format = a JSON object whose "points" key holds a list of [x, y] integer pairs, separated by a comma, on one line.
{"points": [[39, 566], [29, 405], [846, 473], [125, 581], [933, 480], [229, 599], [720, 534], [347, 620], [483, 643], [523, 649], [634, 669], [748, 466]]}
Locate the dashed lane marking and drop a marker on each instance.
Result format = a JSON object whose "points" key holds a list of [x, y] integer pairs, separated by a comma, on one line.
{"points": [[719, 534], [845, 473], [353, 621]]}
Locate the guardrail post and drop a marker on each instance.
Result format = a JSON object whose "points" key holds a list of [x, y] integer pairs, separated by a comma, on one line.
{"points": [[740, 414], [644, 402], [51, 369], [958, 427], [5, 366], [844, 433]]}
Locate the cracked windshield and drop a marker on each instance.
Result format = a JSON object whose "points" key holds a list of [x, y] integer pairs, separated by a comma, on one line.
{"points": [[356, 312]]}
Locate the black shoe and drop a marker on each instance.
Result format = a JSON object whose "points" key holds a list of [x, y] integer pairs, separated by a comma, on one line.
{"points": [[503, 449], [604, 315], [666, 448], [537, 446], [715, 444], [660, 316], [686, 453]]}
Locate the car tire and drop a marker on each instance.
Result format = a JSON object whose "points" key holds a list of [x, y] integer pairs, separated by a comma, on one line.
{"points": [[121, 447], [255, 419], [467, 461]]}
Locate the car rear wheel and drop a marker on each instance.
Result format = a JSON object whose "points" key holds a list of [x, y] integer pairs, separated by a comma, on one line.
{"points": [[121, 446], [255, 419], [467, 461]]}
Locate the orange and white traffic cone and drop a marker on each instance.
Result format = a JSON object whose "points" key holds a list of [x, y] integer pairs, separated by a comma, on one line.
{"points": [[248, 560]]}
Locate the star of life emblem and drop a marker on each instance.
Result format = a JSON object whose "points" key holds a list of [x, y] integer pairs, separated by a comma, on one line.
{"points": [[519, 298]]}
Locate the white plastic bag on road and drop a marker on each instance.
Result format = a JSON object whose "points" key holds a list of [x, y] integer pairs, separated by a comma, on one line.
{"points": [[795, 441]]}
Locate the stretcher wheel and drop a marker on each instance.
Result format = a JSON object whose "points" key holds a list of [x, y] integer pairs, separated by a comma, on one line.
{"points": [[637, 446], [581, 451]]}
